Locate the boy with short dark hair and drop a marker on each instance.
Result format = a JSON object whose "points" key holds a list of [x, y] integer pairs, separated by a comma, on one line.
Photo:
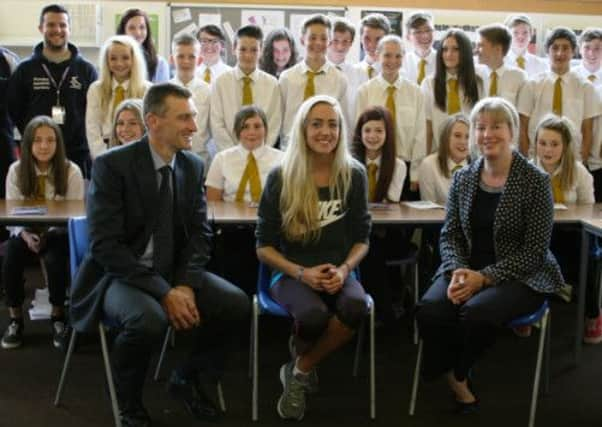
{"points": [[212, 41], [419, 61]]}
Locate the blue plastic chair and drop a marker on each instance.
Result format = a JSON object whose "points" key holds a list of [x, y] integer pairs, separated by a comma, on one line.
{"points": [[78, 247], [264, 304], [541, 315]]}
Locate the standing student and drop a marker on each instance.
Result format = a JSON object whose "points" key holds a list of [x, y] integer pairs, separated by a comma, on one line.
{"points": [[122, 76], [496, 263], [405, 103], [559, 91], [312, 76], [128, 123], [590, 49], [421, 59], [343, 35], [436, 170], [373, 27], [493, 43], [42, 173], [454, 88], [8, 64], [279, 52], [244, 85], [54, 82], [186, 56], [519, 56], [135, 23], [212, 41], [313, 228]]}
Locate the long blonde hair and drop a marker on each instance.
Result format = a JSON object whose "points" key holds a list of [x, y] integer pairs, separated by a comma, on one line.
{"points": [[299, 200], [564, 127], [138, 75]]}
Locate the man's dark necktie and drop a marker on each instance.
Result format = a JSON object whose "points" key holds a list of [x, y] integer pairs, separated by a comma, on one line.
{"points": [[163, 239]]}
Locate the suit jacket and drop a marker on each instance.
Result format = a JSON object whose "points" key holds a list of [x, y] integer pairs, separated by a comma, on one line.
{"points": [[522, 227], [121, 211]]}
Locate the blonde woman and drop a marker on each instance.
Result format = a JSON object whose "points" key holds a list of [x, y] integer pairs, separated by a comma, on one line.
{"points": [[313, 229], [122, 76]]}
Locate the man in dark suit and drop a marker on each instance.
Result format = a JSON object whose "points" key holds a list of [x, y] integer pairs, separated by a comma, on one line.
{"points": [[150, 242]]}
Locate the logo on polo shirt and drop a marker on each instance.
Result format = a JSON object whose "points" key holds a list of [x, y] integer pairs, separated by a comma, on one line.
{"points": [[41, 83], [74, 83]]}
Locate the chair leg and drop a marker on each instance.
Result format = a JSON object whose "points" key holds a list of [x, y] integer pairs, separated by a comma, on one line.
{"points": [[168, 334], [372, 366], [358, 348], [251, 334], [109, 374], [220, 396], [416, 378], [66, 364], [255, 345], [416, 297], [540, 351], [548, 350]]}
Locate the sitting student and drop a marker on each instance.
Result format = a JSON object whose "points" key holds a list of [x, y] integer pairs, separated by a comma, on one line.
{"points": [[522, 32], [312, 76], [313, 228], [244, 85], [493, 42], [571, 183], [373, 27], [43, 173], [279, 52], [405, 103], [454, 87], [436, 170], [484, 282], [122, 76], [238, 173], [374, 146], [135, 23], [420, 61], [128, 123], [186, 55], [590, 48], [559, 91], [212, 41]]}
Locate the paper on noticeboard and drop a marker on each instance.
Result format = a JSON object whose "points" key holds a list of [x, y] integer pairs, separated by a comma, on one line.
{"points": [[209, 18], [181, 15], [267, 20]]}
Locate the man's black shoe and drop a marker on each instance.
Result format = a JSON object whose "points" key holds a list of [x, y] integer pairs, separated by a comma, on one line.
{"points": [[196, 402], [136, 416]]}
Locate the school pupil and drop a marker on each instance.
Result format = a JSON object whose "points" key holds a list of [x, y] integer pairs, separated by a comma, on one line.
{"points": [[122, 76], [343, 34], [312, 229], [590, 48], [373, 27], [454, 87], [244, 85], [212, 41], [186, 56], [404, 101], [436, 170], [136, 23], [519, 56], [420, 60], [279, 52], [42, 173], [312, 76], [128, 123]]}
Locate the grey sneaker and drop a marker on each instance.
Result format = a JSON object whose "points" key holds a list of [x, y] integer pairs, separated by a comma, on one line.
{"points": [[313, 385], [291, 404], [13, 337]]}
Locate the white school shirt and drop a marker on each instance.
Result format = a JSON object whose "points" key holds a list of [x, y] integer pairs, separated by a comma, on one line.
{"points": [[410, 121], [201, 98], [582, 190], [510, 81], [292, 88], [353, 83], [362, 70], [75, 187], [216, 70], [399, 176], [594, 162], [434, 186], [578, 103], [226, 101], [411, 64], [534, 65], [99, 125], [583, 72], [432, 111], [229, 165]]}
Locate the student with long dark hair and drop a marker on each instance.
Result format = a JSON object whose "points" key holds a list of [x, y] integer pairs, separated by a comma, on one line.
{"points": [[279, 52]]}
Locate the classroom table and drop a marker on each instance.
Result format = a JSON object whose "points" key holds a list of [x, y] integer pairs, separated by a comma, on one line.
{"points": [[58, 212]]}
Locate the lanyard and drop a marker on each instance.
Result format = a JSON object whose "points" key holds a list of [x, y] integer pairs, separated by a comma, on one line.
{"points": [[57, 87]]}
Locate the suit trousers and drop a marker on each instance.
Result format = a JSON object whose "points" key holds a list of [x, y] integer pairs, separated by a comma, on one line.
{"points": [[141, 323], [455, 336]]}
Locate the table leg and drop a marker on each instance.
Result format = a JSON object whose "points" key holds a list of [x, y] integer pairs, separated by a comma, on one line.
{"points": [[584, 259]]}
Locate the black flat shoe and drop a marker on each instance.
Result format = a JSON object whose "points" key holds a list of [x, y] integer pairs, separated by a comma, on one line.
{"points": [[464, 408], [196, 402]]}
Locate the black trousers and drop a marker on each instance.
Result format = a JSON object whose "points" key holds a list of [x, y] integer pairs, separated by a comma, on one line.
{"points": [[18, 255], [142, 323], [455, 336]]}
